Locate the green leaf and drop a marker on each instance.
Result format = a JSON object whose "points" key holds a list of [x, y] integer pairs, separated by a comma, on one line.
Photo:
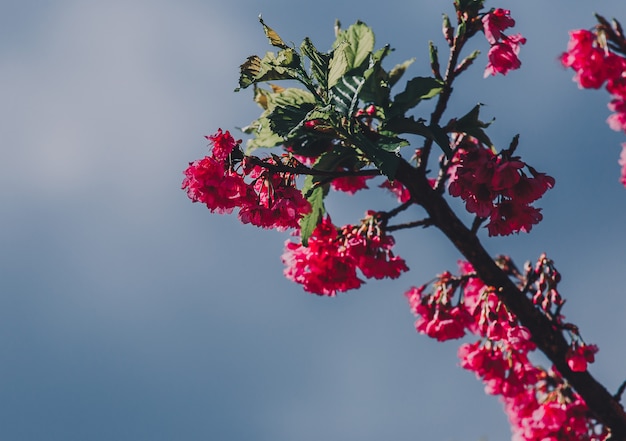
{"points": [[440, 137], [272, 36], [284, 110], [314, 191], [319, 62], [433, 132], [315, 195], [345, 94], [376, 88], [263, 134], [471, 125], [352, 49], [386, 162], [390, 142], [417, 89], [338, 65], [360, 39], [291, 96]]}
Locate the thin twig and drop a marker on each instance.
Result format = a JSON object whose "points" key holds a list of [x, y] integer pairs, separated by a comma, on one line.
{"points": [[420, 223]]}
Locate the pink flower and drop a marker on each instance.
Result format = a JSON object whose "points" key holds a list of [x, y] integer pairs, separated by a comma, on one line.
{"points": [[622, 163], [592, 63], [617, 121], [322, 267], [528, 190], [350, 184], [495, 22], [373, 255], [223, 144], [579, 355], [436, 319], [510, 217], [397, 189], [503, 56], [278, 205], [209, 182], [495, 187], [330, 261]]}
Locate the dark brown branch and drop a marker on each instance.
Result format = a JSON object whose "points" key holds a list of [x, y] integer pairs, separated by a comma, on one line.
{"points": [[304, 170], [386, 215], [620, 392], [548, 338], [444, 96]]}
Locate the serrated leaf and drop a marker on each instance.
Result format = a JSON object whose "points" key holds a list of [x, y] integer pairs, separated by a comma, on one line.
{"points": [[319, 62], [345, 94], [360, 39], [417, 89], [390, 142], [385, 161], [272, 36], [311, 220], [473, 126], [284, 110], [264, 136], [284, 118], [376, 88], [440, 137]]}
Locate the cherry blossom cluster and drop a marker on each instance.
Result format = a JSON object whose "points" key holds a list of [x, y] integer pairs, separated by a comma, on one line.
{"points": [[226, 179], [496, 187], [329, 262], [503, 54], [595, 65], [539, 403]]}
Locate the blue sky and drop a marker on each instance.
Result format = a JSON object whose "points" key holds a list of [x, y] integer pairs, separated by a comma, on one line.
{"points": [[128, 313]]}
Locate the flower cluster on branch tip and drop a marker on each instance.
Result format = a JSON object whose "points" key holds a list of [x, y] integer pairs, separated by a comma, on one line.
{"points": [[495, 187], [598, 57], [226, 180], [504, 51], [330, 262]]}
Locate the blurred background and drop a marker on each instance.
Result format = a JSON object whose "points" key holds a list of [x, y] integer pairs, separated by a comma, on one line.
{"points": [[129, 313]]}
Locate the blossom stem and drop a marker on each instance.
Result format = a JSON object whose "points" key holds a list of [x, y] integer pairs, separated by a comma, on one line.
{"points": [[444, 96]]}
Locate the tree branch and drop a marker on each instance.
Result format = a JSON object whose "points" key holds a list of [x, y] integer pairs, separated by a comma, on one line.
{"points": [[548, 339]]}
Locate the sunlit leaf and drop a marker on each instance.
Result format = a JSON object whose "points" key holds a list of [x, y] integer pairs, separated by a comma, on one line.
{"points": [[272, 36], [360, 39], [338, 65]]}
